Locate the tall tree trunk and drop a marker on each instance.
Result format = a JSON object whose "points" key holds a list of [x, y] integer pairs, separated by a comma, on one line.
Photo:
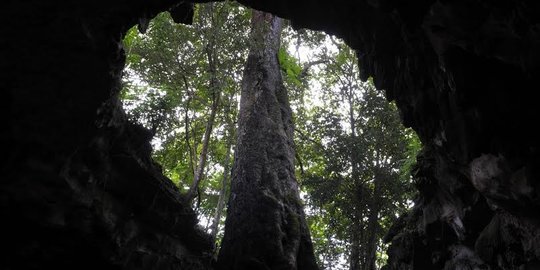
{"points": [[265, 226]]}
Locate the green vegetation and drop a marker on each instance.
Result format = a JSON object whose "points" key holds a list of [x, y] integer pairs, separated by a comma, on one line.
{"points": [[354, 158]]}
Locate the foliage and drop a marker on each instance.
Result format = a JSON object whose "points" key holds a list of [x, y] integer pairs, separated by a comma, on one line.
{"points": [[290, 66], [168, 89], [354, 157]]}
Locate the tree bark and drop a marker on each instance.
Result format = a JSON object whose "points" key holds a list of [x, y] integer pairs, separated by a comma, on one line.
{"points": [[265, 226]]}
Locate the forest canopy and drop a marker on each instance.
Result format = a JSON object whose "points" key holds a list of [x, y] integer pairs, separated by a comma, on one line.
{"points": [[354, 159]]}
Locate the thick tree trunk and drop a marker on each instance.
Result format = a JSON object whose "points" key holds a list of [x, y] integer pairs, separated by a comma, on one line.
{"points": [[265, 227]]}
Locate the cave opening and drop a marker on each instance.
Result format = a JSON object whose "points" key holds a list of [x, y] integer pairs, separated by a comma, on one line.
{"points": [[80, 190], [182, 83]]}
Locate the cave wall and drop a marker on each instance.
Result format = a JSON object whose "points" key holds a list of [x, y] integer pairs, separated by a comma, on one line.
{"points": [[79, 189]]}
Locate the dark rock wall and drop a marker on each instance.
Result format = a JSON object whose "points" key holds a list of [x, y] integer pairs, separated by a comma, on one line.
{"points": [[78, 188]]}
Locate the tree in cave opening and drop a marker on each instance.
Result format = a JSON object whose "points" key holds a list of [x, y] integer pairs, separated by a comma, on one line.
{"points": [[265, 226], [338, 122]]}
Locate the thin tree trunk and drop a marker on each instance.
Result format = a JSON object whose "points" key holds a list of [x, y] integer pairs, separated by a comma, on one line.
{"points": [[199, 171], [371, 254], [373, 224], [230, 129], [265, 226], [356, 258], [222, 191], [328, 262], [186, 125], [215, 89]]}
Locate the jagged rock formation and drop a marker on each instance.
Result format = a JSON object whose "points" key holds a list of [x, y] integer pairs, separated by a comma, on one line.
{"points": [[78, 189]]}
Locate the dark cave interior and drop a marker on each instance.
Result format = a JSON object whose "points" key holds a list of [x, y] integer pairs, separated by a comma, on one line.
{"points": [[79, 189]]}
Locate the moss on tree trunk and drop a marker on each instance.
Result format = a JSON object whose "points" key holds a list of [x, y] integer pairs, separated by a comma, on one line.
{"points": [[265, 227]]}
